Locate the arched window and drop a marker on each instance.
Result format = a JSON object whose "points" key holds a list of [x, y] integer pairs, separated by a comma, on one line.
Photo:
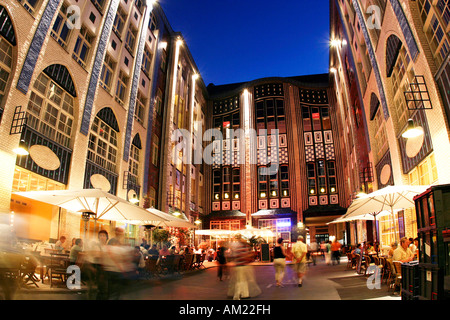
{"points": [[133, 166], [393, 46], [7, 42], [51, 106], [374, 105], [102, 148]]}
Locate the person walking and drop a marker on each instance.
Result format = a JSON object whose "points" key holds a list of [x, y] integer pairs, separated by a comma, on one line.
{"points": [[336, 251], [299, 249], [328, 252], [314, 251], [222, 261], [279, 261]]}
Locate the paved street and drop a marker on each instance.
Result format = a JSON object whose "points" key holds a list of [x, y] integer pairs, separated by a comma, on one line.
{"points": [[321, 283]]}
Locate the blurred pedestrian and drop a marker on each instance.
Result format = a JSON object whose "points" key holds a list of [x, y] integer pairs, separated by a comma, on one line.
{"points": [[118, 238], [279, 261], [314, 251], [328, 252], [222, 261], [299, 250], [336, 251], [242, 282]]}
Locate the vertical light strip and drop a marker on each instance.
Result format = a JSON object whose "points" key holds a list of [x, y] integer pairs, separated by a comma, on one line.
{"points": [[191, 130], [248, 157], [97, 66], [135, 82]]}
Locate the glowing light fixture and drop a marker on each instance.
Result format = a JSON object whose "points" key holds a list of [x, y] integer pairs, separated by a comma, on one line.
{"points": [[134, 200], [322, 190], [333, 70], [274, 193], [22, 149], [311, 191], [333, 189], [236, 196], [335, 43], [226, 195], [412, 131], [198, 221], [263, 194], [176, 214]]}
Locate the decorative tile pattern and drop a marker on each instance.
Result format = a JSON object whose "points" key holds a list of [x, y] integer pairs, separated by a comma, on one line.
{"points": [[323, 200], [216, 206], [236, 205], [313, 201], [274, 203], [309, 151], [262, 204], [285, 202], [226, 205], [334, 199], [328, 136], [320, 151], [318, 137], [308, 139], [329, 151]]}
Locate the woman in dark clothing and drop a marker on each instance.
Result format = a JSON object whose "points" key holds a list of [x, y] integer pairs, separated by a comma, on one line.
{"points": [[222, 260], [279, 261]]}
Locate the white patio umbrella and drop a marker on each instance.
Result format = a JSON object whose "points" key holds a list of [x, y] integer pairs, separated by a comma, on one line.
{"points": [[387, 199], [101, 204]]}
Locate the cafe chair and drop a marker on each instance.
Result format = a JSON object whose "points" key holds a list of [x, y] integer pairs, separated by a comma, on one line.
{"points": [[188, 261], [28, 269], [151, 267], [398, 275]]}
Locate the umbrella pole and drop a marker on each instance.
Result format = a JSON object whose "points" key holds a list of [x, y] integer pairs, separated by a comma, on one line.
{"points": [[395, 227]]}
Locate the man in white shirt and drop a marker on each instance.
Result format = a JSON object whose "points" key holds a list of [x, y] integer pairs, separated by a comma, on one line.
{"points": [[403, 253], [299, 249]]}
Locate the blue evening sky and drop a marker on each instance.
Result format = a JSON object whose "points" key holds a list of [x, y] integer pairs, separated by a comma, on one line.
{"points": [[243, 40]]}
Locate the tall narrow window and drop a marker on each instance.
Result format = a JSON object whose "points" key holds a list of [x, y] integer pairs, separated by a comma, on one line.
{"points": [[119, 22], [61, 30], [236, 184], [130, 39], [107, 72], [146, 61], [155, 149], [121, 88], [5, 66], [83, 47], [139, 112], [311, 171]]}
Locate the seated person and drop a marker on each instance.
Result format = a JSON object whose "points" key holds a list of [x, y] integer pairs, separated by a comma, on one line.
{"points": [[403, 253], [391, 251], [59, 245], [357, 251], [164, 251], [76, 249], [153, 251]]}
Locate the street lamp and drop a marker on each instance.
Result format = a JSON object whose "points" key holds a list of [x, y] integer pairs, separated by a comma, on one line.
{"points": [[22, 149], [412, 131]]}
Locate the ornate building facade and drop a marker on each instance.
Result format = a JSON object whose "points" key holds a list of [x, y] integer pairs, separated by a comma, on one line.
{"points": [[396, 53]]}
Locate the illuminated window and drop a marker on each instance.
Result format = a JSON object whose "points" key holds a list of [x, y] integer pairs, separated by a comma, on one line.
{"points": [[102, 146], [50, 110], [5, 65], [25, 180]]}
